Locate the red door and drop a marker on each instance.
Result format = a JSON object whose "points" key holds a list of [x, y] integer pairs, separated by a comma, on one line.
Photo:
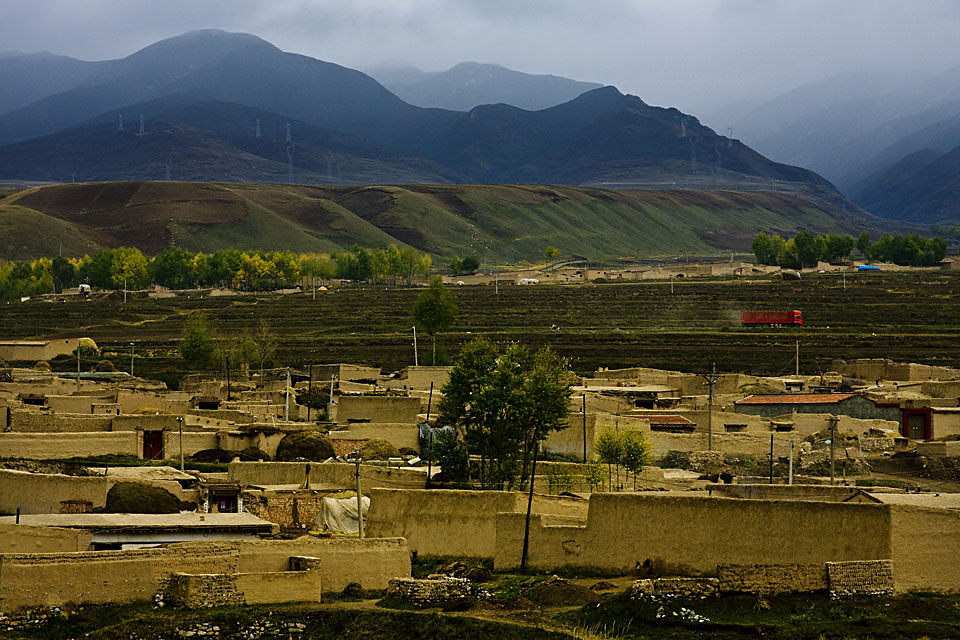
{"points": [[153, 445]]}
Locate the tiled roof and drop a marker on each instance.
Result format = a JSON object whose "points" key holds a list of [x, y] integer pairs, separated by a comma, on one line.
{"points": [[797, 398]]}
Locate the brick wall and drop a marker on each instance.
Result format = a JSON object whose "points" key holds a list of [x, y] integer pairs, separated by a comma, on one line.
{"points": [[289, 510]]}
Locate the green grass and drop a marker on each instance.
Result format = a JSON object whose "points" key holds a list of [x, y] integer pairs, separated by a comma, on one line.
{"points": [[499, 223]]}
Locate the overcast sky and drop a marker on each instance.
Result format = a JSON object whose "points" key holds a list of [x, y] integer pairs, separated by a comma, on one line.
{"points": [[693, 54]]}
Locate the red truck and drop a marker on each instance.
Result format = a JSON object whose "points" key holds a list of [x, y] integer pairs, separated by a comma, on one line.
{"points": [[791, 318]]}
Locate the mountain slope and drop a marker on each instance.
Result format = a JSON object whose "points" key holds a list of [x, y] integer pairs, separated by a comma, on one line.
{"points": [[470, 84], [496, 222], [922, 188]]}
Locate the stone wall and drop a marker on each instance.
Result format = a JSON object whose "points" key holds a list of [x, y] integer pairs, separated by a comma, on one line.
{"points": [[47, 446], [329, 474], [48, 579], [769, 579], [34, 421], [396, 409], [430, 592], [290, 510], [226, 589], [22, 538], [859, 579], [48, 492]]}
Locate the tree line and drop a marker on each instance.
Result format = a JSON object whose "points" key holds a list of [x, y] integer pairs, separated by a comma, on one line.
{"points": [[176, 268], [806, 249]]}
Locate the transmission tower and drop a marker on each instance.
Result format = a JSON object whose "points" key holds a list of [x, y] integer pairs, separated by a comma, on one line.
{"points": [[693, 155], [289, 150], [120, 126], [168, 165], [258, 127], [683, 128], [140, 133]]}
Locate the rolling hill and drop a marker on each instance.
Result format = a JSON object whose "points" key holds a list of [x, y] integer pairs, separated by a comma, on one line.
{"points": [[504, 223], [923, 188]]}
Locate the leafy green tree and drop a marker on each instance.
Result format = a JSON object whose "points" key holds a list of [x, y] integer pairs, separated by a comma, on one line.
{"points": [[806, 249], [863, 244], [434, 311], [609, 448], [171, 268], [97, 270], [198, 345], [504, 406], [593, 474], [764, 250], [837, 246], [64, 273], [551, 252], [635, 452], [128, 268], [224, 265]]}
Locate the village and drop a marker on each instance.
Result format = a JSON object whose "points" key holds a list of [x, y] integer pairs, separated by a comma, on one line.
{"points": [[115, 489]]}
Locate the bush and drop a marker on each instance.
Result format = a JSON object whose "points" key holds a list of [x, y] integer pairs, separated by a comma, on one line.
{"points": [[139, 497], [42, 365], [104, 365], [378, 450], [304, 445]]}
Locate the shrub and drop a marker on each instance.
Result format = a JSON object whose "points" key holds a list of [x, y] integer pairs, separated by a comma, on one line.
{"points": [[42, 365], [378, 450], [139, 497], [104, 365], [304, 445]]}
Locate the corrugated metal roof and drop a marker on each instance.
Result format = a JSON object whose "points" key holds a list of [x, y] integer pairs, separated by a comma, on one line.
{"points": [[797, 398]]}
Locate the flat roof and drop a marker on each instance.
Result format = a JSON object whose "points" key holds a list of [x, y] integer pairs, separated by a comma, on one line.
{"points": [[150, 521], [143, 473], [940, 500], [796, 398], [664, 418]]}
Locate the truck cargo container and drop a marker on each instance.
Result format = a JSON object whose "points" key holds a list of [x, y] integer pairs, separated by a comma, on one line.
{"points": [[790, 318]]}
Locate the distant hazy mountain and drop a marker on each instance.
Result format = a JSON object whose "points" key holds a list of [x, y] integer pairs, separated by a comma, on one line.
{"points": [[923, 187], [201, 94], [843, 126], [470, 84]]}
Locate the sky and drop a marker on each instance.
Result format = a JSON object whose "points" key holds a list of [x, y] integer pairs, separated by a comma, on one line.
{"points": [[698, 55]]}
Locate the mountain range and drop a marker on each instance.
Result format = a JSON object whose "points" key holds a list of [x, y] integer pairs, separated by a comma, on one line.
{"points": [[201, 95], [471, 84], [861, 131]]}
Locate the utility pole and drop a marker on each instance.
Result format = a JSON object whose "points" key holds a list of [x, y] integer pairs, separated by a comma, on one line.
{"points": [[359, 501], [711, 381], [833, 444], [584, 426], [330, 401], [771, 458], [429, 400], [131, 359], [790, 472], [309, 390], [797, 370], [286, 398], [526, 524], [180, 425], [416, 361], [78, 367], [124, 291], [228, 379]]}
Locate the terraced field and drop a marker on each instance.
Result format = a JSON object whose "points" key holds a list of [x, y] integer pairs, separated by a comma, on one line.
{"points": [[908, 316]]}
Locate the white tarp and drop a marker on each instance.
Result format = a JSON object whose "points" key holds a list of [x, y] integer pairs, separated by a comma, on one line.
{"points": [[340, 516]]}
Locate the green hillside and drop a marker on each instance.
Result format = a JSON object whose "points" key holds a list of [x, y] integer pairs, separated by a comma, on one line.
{"points": [[503, 223]]}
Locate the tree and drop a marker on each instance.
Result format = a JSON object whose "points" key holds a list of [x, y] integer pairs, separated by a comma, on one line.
{"points": [[636, 451], [264, 344], [504, 406], [64, 273], [128, 269], [863, 244], [435, 310], [609, 448], [764, 250], [171, 268], [551, 252], [198, 345]]}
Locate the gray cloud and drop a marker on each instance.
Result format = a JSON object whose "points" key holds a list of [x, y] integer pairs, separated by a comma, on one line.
{"points": [[694, 54]]}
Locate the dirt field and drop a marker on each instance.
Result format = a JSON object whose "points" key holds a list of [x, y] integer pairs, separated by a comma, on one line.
{"points": [[906, 316]]}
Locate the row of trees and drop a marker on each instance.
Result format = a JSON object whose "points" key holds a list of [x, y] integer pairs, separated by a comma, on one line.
{"points": [[806, 249], [179, 269]]}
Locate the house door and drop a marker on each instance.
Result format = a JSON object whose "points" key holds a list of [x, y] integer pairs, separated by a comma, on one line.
{"points": [[916, 426], [153, 445]]}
